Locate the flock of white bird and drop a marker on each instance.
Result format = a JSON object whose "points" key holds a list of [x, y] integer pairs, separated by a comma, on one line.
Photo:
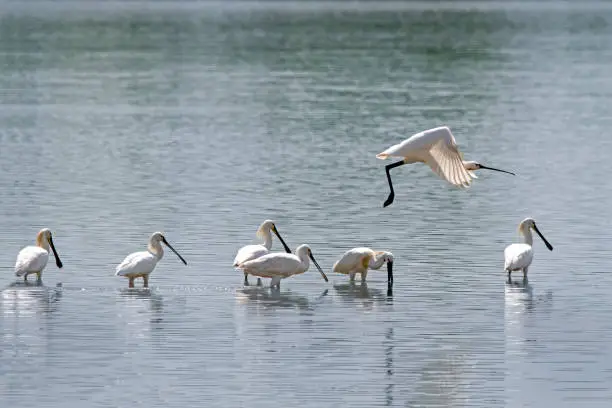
{"points": [[435, 147]]}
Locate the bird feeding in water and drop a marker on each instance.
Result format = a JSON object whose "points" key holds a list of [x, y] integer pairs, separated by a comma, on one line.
{"points": [[359, 260], [249, 252], [279, 265], [141, 264], [438, 149], [519, 256], [33, 259]]}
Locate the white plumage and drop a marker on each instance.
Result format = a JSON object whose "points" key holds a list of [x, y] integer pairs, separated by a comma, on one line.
{"points": [[438, 149], [280, 265], [518, 257], [31, 259], [138, 263], [359, 260], [34, 259], [250, 252], [141, 264]]}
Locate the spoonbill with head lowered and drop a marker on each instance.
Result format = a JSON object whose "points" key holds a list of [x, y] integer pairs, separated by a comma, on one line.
{"points": [[33, 259], [359, 260], [438, 149], [519, 256], [249, 252], [281, 265], [141, 264]]}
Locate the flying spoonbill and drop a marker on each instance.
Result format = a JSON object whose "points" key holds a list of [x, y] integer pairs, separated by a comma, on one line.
{"points": [[438, 149], [141, 264], [249, 252], [359, 260], [519, 256], [33, 259], [281, 265]]}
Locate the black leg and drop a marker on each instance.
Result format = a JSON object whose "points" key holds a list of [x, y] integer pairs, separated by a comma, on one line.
{"points": [[392, 193]]}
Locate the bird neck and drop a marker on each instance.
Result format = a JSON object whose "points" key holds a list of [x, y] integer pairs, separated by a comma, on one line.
{"points": [[267, 237], [156, 249], [42, 242], [527, 236], [376, 261], [302, 253]]}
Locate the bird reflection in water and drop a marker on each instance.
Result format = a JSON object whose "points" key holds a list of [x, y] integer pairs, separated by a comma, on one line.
{"points": [[389, 366], [274, 298], [22, 298], [519, 295], [136, 297], [352, 291]]}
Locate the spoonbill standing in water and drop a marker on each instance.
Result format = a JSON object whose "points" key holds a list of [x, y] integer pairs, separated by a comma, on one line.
{"points": [[519, 256], [437, 148], [33, 259], [359, 260], [249, 252], [141, 264], [281, 265]]}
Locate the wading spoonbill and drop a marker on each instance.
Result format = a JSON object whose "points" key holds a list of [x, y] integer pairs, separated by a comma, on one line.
{"points": [[279, 265], [359, 260], [519, 256], [33, 259], [437, 148], [249, 252], [141, 264]]}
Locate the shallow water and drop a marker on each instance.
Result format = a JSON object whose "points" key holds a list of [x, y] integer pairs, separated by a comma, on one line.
{"points": [[121, 119]]}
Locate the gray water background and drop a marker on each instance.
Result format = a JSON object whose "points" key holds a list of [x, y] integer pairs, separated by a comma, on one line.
{"points": [[202, 120]]}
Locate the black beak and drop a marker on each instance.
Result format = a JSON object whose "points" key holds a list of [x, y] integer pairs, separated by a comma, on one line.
{"points": [[390, 272], [494, 169], [173, 250], [58, 262], [287, 249], [319, 268], [550, 247]]}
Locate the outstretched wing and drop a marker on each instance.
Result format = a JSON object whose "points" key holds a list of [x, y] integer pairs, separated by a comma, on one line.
{"points": [[418, 143], [445, 160]]}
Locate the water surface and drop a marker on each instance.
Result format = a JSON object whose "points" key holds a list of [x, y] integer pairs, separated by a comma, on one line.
{"points": [[121, 119]]}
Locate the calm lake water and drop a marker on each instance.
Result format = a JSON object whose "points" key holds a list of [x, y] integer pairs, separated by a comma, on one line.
{"points": [[118, 120]]}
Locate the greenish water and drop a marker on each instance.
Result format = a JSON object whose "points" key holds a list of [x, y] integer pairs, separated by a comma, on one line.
{"points": [[202, 120]]}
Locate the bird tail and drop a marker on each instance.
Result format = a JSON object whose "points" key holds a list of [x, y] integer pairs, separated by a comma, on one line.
{"points": [[382, 155]]}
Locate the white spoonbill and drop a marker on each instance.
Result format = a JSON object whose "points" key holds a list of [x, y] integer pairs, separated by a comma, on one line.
{"points": [[249, 252], [519, 256], [279, 265], [141, 264], [438, 149], [359, 260], [33, 259]]}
